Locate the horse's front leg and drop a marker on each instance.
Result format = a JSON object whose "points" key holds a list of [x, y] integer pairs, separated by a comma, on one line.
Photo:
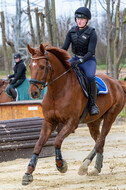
{"points": [[45, 133], [65, 131]]}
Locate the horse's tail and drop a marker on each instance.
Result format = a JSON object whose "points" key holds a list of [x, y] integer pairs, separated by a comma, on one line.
{"points": [[123, 85]]}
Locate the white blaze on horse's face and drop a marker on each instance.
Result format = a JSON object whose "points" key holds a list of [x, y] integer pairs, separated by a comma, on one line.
{"points": [[34, 64]]}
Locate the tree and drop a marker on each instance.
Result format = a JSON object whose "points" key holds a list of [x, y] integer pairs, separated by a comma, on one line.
{"points": [[48, 22], [31, 25], [38, 26], [119, 44], [54, 23], [63, 25], [4, 43], [109, 36], [41, 15], [115, 38]]}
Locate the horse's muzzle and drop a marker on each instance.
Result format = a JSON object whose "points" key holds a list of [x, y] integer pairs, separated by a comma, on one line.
{"points": [[35, 94]]}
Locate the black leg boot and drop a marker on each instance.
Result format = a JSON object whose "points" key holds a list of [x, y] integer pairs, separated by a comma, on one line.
{"points": [[93, 108], [13, 93]]}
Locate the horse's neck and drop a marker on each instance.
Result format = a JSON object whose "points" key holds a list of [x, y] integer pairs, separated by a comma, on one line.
{"points": [[59, 81]]}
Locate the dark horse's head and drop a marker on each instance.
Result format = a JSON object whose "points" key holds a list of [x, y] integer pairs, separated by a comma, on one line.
{"points": [[3, 96], [41, 68]]}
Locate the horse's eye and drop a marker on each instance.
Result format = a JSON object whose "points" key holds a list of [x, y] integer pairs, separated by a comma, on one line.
{"points": [[42, 67]]}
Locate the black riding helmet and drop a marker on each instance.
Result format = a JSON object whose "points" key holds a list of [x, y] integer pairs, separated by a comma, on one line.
{"points": [[17, 55], [83, 12]]}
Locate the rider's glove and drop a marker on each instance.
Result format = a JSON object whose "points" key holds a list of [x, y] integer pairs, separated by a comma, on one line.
{"points": [[75, 63], [12, 81], [8, 76]]}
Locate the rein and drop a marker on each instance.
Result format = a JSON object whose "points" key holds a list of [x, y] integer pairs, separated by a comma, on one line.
{"points": [[45, 84], [3, 90]]}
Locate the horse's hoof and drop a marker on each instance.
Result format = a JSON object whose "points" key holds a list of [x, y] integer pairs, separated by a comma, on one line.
{"points": [[95, 172], [64, 167], [83, 170], [27, 179]]}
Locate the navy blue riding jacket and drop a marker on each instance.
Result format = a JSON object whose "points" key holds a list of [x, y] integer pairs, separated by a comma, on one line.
{"points": [[83, 41], [19, 71]]}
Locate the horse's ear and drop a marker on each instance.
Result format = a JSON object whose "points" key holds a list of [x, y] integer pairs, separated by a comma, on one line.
{"points": [[30, 50], [42, 49]]}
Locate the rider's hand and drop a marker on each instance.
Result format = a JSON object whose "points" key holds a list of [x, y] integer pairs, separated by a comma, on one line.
{"points": [[74, 63], [8, 76], [12, 81]]}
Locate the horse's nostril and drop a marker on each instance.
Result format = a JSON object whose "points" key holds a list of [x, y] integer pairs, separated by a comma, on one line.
{"points": [[34, 94]]}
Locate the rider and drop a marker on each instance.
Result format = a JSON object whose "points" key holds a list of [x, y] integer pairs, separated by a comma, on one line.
{"points": [[18, 76], [84, 39]]}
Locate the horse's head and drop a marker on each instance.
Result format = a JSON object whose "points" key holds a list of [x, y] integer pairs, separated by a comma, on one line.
{"points": [[3, 84], [3, 96], [40, 70]]}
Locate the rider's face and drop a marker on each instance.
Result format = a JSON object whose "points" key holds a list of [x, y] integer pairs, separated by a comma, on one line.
{"points": [[17, 60], [81, 22]]}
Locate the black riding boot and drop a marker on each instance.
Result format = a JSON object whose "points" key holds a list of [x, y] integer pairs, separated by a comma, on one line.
{"points": [[93, 108], [13, 93]]}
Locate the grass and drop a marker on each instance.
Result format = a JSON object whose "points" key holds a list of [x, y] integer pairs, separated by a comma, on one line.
{"points": [[103, 66], [2, 73], [100, 67]]}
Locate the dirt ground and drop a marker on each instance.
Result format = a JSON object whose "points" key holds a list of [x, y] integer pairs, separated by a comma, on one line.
{"points": [[75, 148]]}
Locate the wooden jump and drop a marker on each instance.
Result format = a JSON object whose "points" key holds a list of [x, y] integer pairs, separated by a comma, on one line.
{"points": [[20, 125], [18, 138], [21, 109]]}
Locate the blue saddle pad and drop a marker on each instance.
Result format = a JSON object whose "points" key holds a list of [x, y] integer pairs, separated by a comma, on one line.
{"points": [[103, 89], [23, 94]]}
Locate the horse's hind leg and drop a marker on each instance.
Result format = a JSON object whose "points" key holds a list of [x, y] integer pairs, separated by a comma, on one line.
{"points": [[99, 147], [109, 118], [95, 132], [46, 131]]}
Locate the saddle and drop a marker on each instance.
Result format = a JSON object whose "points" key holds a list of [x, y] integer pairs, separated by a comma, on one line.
{"points": [[100, 84]]}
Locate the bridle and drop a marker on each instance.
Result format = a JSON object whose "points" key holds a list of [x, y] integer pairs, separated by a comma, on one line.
{"points": [[4, 87], [44, 80]]}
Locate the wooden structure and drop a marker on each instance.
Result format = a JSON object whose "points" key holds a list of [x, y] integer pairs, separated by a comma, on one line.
{"points": [[20, 125], [18, 138], [21, 109]]}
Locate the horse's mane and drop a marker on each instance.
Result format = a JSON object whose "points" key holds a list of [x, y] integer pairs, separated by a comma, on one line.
{"points": [[61, 54]]}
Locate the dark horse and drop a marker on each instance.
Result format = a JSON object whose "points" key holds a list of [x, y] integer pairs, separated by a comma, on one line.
{"points": [[64, 103], [3, 96]]}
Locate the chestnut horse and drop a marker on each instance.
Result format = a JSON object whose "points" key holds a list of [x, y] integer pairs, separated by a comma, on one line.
{"points": [[64, 103], [3, 96]]}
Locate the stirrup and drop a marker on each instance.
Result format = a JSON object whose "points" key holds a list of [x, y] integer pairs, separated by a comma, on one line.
{"points": [[94, 110]]}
